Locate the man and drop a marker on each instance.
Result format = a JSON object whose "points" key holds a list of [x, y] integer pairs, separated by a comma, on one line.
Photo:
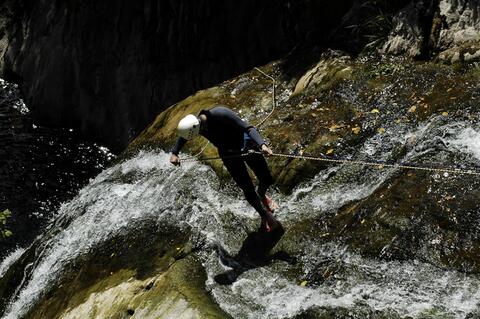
{"points": [[232, 136]]}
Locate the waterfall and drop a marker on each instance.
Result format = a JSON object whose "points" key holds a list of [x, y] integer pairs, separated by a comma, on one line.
{"points": [[147, 190]]}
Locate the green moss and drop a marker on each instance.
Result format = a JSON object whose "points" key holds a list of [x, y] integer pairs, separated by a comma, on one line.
{"points": [[174, 292], [130, 273], [4, 216]]}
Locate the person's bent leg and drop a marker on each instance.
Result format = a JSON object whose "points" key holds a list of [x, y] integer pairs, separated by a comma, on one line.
{"points": [[259, 166], [239, 173]]}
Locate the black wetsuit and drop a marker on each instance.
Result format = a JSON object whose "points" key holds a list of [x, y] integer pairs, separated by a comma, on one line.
{"points": [[231, 135]]}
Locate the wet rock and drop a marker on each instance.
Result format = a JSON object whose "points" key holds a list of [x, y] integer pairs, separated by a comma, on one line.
{"points": [[324, 74], [174, 295], [137, 276]]}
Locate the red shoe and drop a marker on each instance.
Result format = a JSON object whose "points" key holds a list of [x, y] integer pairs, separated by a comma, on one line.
{"points": [[269, 204]]}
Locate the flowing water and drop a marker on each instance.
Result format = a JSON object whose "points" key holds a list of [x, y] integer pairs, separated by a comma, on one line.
{"points": [[147, 190]]}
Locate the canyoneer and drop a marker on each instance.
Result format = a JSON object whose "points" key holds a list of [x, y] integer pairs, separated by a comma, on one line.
{"points": [[233, 137]]}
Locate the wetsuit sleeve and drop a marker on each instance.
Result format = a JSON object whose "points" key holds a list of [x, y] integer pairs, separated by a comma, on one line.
{"points": [[178, 145], [256, 137]]}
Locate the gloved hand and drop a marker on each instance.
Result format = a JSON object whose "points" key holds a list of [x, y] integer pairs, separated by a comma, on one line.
{"points": [[175, 160]]}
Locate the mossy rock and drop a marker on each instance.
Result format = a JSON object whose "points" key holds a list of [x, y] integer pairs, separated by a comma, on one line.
{"points": [[176, 293], [154, 275], [316, 121]]}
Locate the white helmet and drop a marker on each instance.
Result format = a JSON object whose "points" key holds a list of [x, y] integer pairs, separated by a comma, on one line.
{"points": [[189, 127]]}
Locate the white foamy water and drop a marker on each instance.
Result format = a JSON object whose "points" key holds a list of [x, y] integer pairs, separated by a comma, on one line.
{"points": [[408, 288], [148, 189], [468, 140]]}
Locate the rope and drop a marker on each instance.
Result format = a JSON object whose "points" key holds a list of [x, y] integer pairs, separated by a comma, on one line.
{"points": [[274, 99], [379, 165], [195, 158]]}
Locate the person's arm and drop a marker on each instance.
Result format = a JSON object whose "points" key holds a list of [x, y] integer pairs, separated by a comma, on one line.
{"points": [[252, 132], [174, 159], [255, 136]]}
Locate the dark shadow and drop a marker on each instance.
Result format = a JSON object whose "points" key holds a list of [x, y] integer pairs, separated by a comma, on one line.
{"points": [[254, 253]]}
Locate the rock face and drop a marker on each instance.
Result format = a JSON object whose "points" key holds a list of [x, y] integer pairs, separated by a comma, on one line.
{"points": [[332, 111], [355, 230], [109, 67], [448, 28]]}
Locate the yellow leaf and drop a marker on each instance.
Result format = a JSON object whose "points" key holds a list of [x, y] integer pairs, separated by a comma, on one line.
{"points": [[375, 111], [397, 121], [381, 130], [356, 129], [412, 109], [445, 113], [304, 283], [329, 151], [335, 127]]}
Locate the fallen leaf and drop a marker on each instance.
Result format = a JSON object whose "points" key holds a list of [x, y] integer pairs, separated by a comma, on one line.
{"points": [[397, 121], [412, 109], [304, 283], [335, 127], [356, 130], [329, 151], [449, 89], [445, 113], [381, 130], [375, 111]]}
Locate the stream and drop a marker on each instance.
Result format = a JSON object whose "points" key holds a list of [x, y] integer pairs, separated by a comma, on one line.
{"points": [[147, 190]]}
